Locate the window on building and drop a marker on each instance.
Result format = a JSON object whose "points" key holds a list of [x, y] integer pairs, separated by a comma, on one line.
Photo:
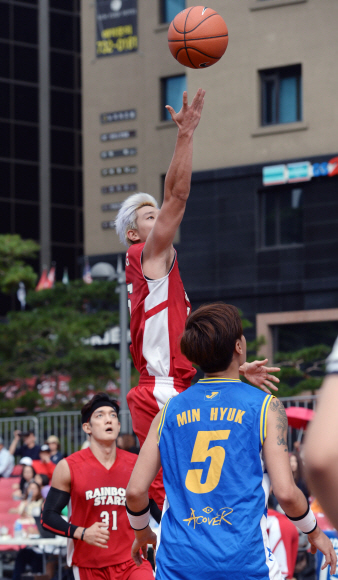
{"points": [[281, 93], [172, 91], [169, 9], [281, 217]]}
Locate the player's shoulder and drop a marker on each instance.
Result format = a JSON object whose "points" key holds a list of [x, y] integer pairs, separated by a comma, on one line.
{"points": [[134, 252], [79, 456]]}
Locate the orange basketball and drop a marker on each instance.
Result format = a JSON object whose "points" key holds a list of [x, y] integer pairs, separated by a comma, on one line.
{"points": [[198, 37]]}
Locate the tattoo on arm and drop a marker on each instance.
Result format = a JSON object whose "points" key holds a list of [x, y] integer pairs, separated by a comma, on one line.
{"points": [[282, 422]]}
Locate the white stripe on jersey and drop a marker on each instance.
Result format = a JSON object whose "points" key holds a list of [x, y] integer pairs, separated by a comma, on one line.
{"points": [[271, 562], [70, 542], [156, 345]]}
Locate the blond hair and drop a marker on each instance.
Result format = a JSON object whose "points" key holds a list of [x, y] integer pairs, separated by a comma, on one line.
{"points": [[127, 216]]}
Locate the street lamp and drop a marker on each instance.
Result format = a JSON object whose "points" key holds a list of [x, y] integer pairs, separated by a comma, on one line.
{"points": [[105, 271]]}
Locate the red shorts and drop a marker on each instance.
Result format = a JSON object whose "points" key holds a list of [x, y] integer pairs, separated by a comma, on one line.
{"points": [[144, 402], [126, 571]]}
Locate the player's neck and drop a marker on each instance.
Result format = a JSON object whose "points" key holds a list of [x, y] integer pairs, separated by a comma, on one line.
{"points": [[105, 452], [232, 372]]}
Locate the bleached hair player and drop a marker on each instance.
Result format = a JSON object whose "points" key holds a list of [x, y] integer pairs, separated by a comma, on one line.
{"points": [[127, 216]]}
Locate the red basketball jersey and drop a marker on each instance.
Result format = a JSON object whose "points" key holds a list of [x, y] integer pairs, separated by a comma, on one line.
{"points": [[158, 310], [99, 495]]}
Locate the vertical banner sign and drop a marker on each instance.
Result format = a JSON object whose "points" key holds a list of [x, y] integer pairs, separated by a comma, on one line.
{"points": [[116, 27]]}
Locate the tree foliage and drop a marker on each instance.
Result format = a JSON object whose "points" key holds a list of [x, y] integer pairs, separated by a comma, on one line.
{"points": [[49, 338], [13, 253]]}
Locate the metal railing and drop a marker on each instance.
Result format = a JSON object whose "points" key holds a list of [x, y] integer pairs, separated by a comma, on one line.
{"points": [[66, 425]]}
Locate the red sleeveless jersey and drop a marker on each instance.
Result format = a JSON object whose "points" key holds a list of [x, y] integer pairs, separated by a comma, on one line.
{"points": [[99, 495], [158, 310]]}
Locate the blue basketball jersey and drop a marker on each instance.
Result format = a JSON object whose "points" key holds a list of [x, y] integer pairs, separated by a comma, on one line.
{"points": [[214, 517]]}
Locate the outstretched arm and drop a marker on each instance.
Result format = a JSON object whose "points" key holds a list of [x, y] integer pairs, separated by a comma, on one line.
{"points": [[321, 448], [145, 471], [289, 496], [158, 252]]}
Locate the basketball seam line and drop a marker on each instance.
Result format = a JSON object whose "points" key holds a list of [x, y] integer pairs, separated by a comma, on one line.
{"points": [[192, 30], [185, 40], [204, 38], [204, 53]]}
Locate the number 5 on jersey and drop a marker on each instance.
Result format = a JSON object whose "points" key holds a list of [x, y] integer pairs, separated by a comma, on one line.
{"points": [[200, 453], [105, 519]]}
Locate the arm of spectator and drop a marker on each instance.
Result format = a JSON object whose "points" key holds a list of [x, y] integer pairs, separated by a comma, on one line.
{"points": [[321, 449], [14, 444], [290, 497]]}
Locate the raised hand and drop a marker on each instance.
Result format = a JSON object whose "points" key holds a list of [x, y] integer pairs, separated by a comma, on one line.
{"points": [[258, 374], [188, 117], [142, 539]]}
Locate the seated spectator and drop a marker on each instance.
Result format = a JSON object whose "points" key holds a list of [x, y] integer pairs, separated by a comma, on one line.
{"points": [[29, 447], [54, 446], [28, 473], [296, 465], [30, 507], [43, 482], [6, 460], [44, 464], [32, 557]]}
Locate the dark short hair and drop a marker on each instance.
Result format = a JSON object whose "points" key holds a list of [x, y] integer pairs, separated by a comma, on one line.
{"points": [[210, 335], [99, 400]]}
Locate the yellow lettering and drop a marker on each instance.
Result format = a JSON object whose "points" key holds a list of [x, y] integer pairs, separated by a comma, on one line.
{"points": [[239, 416], [223, 411], [182, 419], [231, 414], [196, 415], [213, 413], [189, 416]]}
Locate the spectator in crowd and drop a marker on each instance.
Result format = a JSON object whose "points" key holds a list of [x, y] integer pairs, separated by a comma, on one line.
{"points": [[305, 568], [28, 473], [44, 464], [43, 481], [32, 557], [54, 445], [127, 442], [296, 465], [29, 447], [6, 460]]}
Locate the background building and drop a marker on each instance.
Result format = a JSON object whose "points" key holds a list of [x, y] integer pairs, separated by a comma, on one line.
{"points": [[269, 246], [40, 128]]}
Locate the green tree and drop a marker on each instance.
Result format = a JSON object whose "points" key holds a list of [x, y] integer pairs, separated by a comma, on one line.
{"points": [[13, 253], [49, 338]]}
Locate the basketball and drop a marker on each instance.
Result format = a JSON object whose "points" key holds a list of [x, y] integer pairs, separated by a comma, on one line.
{"points": [[198, 37]]}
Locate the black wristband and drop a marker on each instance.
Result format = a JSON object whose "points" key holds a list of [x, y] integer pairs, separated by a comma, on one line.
{"points": [[83, 533]]}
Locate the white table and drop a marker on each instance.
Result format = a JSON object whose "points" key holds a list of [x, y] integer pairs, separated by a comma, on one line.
{"points": [[57, 542]]}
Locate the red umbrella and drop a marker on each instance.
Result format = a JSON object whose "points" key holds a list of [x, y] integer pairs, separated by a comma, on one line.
{"points": [[298, 417]]}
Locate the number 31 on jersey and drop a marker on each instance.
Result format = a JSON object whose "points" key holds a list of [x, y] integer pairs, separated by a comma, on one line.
{"points": [[105, 519]]}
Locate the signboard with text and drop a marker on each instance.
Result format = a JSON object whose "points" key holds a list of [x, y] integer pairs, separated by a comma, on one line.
{"points": [[116, 27], [300, 171]]}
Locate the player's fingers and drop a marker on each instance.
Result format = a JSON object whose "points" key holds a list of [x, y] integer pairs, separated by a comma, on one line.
{"points": [[145, 551], [273, 378], [313, 549], [171, 111], [261, 363], [273, 369], [333, 563], [270, 385], [185, 100]]}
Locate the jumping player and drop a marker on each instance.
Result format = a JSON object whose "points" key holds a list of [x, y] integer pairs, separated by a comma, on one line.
{"points": [[93, 482], [218, 443], [158, 303]]}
